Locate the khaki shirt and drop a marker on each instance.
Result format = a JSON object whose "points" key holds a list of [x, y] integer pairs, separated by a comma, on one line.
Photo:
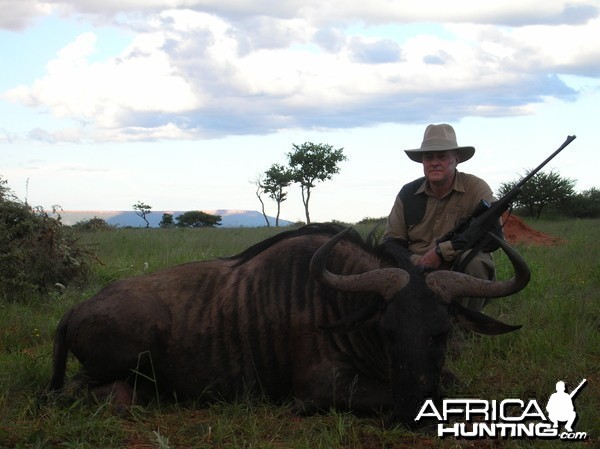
{"points": [[441, 214]]}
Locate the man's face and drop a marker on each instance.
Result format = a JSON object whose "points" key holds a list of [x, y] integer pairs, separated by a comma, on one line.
{"points": [[439, 166]]}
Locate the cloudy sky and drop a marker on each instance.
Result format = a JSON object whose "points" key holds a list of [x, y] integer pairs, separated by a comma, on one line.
{"points": [[181, 104]]}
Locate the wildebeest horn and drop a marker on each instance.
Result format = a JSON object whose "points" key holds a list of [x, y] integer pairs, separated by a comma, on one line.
{"points": [[385, 281], [451, 284]]}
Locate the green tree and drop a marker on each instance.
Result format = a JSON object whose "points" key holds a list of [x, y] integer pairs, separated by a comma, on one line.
{"points": [[167, 221], [5, 193], [93, 224], [582, 205], [310, 163], [541, 191], [198, 219], [276, 179], [142, 210]]}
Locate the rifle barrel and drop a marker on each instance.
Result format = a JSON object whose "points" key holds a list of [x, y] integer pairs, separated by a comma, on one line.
{"points": [[532, 173], [576, 390], [486, 220]]}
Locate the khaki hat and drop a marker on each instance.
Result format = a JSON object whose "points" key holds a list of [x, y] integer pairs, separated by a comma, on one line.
{"points": [[440, 138]]}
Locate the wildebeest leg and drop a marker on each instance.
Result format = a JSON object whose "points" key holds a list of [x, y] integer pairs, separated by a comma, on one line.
{"points": [[118, 393], [328, 386]]}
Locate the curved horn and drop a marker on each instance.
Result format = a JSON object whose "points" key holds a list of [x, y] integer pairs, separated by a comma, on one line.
{"points": [[451, 284], [385, 281]]}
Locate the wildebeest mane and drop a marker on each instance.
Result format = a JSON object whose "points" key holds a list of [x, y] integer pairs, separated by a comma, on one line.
{"points": [[329, 229]]}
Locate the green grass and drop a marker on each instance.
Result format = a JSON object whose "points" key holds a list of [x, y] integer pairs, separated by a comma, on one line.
{"points": [[124, 252], [560, 339]]}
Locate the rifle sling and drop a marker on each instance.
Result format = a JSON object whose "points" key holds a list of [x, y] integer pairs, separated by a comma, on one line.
{"points": [[460, 263]]}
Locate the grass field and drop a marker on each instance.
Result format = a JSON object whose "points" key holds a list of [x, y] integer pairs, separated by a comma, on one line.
{"points": [[560, 339]]}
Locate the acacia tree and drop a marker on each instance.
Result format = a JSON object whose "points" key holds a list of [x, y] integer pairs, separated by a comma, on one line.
{"points": [[542, 190], [310, 163], [198, 219], [276, 179], [142, 210]]}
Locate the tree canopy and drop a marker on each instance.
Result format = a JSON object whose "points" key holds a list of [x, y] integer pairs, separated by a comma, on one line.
{"points": [[274, 182], [141, 210], [541, 191], [311, 163], [198, 219], [582, 205], [166, 221]]}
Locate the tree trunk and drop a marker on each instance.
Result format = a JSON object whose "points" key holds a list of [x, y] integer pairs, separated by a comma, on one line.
{"points": [[262, 204], [305, 200], [278, 211]]}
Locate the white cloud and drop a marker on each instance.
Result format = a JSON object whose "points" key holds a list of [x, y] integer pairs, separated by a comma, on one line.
{"points": [[18, 14], [141, 80], [229, 68], [540, 47]]}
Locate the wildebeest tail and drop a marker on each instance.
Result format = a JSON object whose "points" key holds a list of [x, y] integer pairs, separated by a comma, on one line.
{"points": [[59, 355]]}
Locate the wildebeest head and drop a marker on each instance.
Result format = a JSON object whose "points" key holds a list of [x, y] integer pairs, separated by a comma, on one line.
{"points": [[416, 317]]}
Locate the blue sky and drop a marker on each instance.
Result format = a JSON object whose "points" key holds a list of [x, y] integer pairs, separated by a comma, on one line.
{"points": [[181, 104]]}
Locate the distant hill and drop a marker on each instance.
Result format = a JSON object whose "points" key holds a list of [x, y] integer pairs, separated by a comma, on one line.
{"points": [[230, 218]]}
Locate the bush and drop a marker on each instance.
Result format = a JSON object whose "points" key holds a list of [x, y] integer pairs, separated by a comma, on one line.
{"points": [[582, 205], [36, 250], [93, 224], [372, 220]]}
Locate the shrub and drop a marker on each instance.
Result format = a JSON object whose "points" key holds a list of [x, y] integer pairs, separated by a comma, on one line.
{"points": [[93, 224], [582, 205], [36, 250], [372, 220]]}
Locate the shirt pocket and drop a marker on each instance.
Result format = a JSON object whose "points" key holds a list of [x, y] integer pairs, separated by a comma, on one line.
{"points": [[456, 215]]}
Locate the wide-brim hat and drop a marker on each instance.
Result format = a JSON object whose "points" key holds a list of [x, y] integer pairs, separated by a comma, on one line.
{"points": [[440, 138]]}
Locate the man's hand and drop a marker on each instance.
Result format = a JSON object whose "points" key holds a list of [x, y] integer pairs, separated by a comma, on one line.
{"points": [[431, 259]]}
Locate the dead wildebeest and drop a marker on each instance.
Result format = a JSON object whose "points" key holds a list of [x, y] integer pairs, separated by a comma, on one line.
{"points": [[369, 337]]}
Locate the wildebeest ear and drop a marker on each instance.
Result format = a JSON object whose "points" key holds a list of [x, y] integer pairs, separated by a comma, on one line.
{"points": [[478, 322]]}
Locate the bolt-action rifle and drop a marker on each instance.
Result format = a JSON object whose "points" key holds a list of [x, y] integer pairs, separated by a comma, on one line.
{"points": [[476, 226]]}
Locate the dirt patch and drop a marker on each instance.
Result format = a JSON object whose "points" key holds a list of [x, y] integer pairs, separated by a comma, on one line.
{"points": [[516, 231]]}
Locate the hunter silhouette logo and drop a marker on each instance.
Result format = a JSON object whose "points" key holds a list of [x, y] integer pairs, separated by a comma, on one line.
{"points": [[508, 418], [560, 406]]}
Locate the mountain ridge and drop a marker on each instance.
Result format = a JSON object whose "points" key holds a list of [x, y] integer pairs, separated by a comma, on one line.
{"points": [[231, 218]]}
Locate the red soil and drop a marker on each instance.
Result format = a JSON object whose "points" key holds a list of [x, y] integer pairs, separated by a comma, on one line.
{"points": [[516, 231]]}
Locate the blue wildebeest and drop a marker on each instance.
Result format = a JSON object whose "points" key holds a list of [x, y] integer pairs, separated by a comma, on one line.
{"points": [[355, 334]]}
